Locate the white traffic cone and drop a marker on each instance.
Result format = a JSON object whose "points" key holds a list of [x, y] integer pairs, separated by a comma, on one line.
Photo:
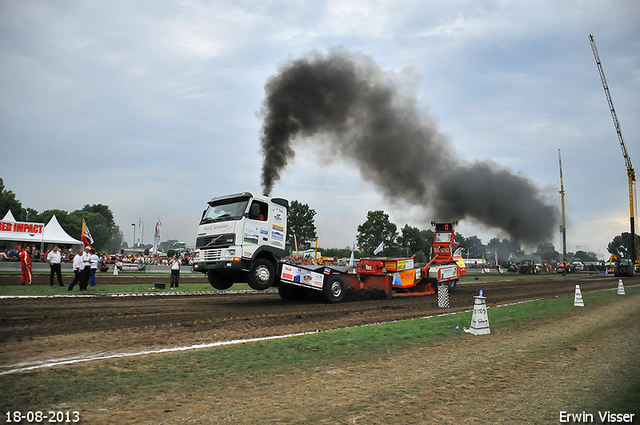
{"points": [[115, 270], [620, 288], [577, 301], [480, 318]]}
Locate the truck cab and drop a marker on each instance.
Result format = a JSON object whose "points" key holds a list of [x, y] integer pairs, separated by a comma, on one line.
{"points": [[241, 238]]}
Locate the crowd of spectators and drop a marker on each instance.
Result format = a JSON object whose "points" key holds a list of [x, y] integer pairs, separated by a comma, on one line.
{"points": [[13, 254], [185, 257]]}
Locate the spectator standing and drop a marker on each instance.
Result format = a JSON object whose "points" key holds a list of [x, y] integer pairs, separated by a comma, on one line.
{"points": [[54, 258], [94, 267], [25, 266], [78, 265], [174, 264], [86, 270]]}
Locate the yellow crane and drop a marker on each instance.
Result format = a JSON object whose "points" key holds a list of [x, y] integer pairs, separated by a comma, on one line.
{"points": [[627, 160]]}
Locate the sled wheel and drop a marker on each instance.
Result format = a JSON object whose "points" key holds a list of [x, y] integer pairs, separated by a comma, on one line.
{"points": [[452, 285], [333, 289]]}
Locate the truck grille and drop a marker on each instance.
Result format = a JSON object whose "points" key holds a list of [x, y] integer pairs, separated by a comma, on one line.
{"points": [[212, 255], [216, 241]]}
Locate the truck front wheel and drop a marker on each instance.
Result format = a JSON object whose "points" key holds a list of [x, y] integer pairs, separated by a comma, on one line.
{"points": [[219, 281], [262, 275], [333, 289]]}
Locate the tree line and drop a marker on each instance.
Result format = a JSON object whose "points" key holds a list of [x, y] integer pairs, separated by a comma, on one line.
{"points": [[409, 241], [376, 229], [98, 217]]}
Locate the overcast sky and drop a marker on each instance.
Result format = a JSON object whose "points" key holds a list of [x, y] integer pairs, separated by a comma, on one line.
{"points": [[153, 107]]}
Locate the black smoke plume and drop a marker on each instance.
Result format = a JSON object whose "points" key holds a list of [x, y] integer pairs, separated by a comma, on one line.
{"points": [[371, 121]]}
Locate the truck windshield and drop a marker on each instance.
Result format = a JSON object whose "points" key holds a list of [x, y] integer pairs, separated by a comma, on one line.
{"points": [[225, 209]]}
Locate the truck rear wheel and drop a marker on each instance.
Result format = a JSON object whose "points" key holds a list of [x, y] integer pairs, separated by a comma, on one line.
{"points": [[452, 285], [219, 281], [333, 289], [262, 275]]}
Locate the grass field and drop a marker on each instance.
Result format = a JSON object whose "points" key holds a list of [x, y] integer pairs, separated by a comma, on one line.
{"points": [[139, 378]]}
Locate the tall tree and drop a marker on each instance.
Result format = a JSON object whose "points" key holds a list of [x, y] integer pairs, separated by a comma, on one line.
{"points": [[474, 247], [375, 230], [415, 241], [620, 245], [547, 252], [99, 219], [301, 222], [100, 222], [505, 248], [8, 202], [586, 256]]}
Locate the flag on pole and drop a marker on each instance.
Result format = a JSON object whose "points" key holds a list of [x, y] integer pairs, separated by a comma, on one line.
{"points": [[140, 223], [156, 237], [379, 248], [87, 239]]}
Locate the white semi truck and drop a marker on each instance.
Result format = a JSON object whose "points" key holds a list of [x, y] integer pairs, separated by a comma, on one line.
{"points": [[241, 238]]}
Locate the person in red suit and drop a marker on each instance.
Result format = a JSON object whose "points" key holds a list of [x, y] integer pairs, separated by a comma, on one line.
{"points": [[25, 267]]}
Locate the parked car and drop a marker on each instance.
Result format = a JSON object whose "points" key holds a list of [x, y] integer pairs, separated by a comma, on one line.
{"points": [[576, 266]]}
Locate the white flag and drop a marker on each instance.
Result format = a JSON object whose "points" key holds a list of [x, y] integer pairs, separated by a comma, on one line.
{"points": [[156, 237], [379, 249]]}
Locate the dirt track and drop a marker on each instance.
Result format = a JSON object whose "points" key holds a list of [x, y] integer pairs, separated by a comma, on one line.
{"points": [[39, 329]]}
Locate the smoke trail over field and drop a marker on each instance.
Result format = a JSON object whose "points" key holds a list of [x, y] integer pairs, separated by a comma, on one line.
{"points": [[370, 121]]}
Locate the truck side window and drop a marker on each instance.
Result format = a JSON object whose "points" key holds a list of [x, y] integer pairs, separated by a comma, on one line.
{"points": [[258, 211]]}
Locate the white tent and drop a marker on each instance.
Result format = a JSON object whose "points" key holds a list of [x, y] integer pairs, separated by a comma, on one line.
{"points": [[9, 217], [54, 233]]}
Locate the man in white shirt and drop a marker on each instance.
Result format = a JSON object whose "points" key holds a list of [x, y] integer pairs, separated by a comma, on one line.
{"points": [[78, 266], [94, 267], [86, 270], [174, 264], [54, 258]]}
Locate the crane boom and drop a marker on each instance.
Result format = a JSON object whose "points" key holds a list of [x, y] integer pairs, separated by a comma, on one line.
{"points": [[631, 174], [563, 229], [616, 123]]}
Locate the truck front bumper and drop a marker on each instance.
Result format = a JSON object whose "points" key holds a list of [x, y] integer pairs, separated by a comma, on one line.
{"points": [[231, 265]]}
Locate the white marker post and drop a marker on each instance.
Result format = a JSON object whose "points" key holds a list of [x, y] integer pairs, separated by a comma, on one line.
{"points": [[480, 318], [577, 301]]}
